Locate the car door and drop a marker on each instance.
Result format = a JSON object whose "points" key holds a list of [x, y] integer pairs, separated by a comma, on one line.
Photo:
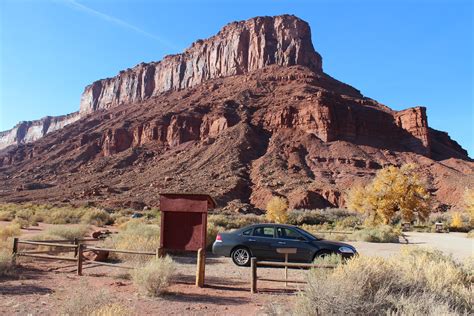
{"points": [[290, 238], [260, 243]]}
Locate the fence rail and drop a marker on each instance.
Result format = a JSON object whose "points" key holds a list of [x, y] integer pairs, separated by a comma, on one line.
{"points": [[78, 248], [254, 277]]}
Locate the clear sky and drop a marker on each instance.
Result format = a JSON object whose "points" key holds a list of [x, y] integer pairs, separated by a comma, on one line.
{"points": [[402, 53]]}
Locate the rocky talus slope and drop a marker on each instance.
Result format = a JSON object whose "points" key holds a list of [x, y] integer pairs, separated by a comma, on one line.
{"points": [[244, 115]]}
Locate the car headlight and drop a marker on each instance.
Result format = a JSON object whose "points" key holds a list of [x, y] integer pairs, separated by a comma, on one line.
{"points": [[346, 250]]}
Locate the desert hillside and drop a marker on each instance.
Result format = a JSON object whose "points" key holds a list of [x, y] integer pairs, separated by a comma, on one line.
{"points": [[244, 115]]}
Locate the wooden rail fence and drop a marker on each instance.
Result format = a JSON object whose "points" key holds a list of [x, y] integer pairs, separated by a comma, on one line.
{"points": [[254, 277], [75, 245]]}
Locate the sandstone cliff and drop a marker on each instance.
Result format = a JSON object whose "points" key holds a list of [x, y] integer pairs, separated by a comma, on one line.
{"points": [[29, 131], [244, 115], [239, 48]]}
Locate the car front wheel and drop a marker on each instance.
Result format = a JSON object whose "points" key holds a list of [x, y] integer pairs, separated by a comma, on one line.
{"points": [[241, 256]]}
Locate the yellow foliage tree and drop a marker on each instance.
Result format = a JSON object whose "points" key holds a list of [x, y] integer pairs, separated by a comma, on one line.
{"points": [[393, 191], [456, 220], [469, 203], [277, 210]]}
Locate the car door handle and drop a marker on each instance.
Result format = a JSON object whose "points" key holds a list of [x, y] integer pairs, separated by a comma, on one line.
{"points": [[282, 243], [251, 239]]}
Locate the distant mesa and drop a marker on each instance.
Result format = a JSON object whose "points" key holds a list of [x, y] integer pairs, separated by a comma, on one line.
{"points": [[243, 115]]}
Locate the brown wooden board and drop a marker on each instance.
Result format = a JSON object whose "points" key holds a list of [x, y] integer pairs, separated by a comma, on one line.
{"points": [[184, 221]]}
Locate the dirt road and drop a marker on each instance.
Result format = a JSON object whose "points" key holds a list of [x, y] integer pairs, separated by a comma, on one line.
{"points": [[455, 244]]}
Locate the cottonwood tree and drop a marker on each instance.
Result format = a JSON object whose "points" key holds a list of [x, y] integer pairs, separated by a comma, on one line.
{"points": [[277, 210], [394, 191], [469, 204]]}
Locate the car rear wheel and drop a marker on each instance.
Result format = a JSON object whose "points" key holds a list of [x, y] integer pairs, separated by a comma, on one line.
{"points": [[241, 256]]}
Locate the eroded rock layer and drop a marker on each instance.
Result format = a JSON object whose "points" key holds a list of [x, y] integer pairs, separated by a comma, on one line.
{"points": [[239, 48], [244, 115]]}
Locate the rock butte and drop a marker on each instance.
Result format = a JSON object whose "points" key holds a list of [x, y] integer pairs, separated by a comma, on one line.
{"points": [[244, 115]]}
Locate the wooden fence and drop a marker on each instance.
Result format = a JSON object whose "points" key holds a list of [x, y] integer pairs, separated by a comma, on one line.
{"points": [[77, 246], [254, 277], [80, 248]]}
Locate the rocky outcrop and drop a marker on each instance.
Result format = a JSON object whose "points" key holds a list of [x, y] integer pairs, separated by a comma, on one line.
{"points": [[29, 131], [245, 115], [239, 48]]}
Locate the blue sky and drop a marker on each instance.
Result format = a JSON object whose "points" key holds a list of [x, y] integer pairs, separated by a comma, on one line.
{"points": [[402, 53]]}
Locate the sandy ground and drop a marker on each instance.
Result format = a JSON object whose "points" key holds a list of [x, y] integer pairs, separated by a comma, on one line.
{"points": [[45, 287], [455, 244]]}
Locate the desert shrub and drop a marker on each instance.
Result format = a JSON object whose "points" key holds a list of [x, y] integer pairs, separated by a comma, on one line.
{"points": [[154, 277], [332, 259], [383, 234], [85, 301], [349, 222], [234, 221], [7, 215], [66, 231], [339, 218], [470, 234], [393, 193], [135, 235], [6, 267], [112, 309], [12, 230], [212, 231], [277, 210], [97, 217], [414, 282], [53, 214]]}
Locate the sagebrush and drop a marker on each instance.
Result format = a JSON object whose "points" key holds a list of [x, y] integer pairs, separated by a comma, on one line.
{"points": [[414, 282], [154, 277]]}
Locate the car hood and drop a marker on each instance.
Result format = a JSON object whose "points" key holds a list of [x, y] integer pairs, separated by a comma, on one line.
{"points": [[334, 244]]}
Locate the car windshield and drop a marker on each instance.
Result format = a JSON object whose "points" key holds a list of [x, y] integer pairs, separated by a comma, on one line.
{"points": [[307, 235]]}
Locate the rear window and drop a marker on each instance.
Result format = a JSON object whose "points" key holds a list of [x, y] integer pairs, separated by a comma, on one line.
{"points": [[247, 232], [268, 232]]}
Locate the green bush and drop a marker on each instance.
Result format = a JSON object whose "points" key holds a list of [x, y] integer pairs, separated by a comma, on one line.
{"points": [[382, 234], [97, 217], [414, 282], [154, 277], [68, 232]]}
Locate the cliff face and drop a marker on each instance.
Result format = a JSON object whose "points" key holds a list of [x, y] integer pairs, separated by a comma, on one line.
{"points": [[29, 131], [239, 48], [244, 115]]}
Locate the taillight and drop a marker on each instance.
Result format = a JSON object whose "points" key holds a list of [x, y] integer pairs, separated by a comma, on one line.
{"points": [[218, 237]]}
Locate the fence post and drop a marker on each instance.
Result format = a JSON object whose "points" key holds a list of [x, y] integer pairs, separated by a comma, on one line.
{"points": [[79, 259], [76, 242], [201, 267], [253, 266], [14, 250]]}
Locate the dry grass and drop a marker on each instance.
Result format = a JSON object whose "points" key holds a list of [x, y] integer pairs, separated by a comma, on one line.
{"points": [[67, 232], [31, 214], [136, 234], [382, 234], [212, 231], [6, 267], [6, 241], [414, 282], [113, 309], [470, 234], [92, 302], [154, 277]]}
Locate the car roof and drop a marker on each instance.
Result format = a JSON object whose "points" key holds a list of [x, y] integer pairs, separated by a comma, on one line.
{"points": [[267, 224]]}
